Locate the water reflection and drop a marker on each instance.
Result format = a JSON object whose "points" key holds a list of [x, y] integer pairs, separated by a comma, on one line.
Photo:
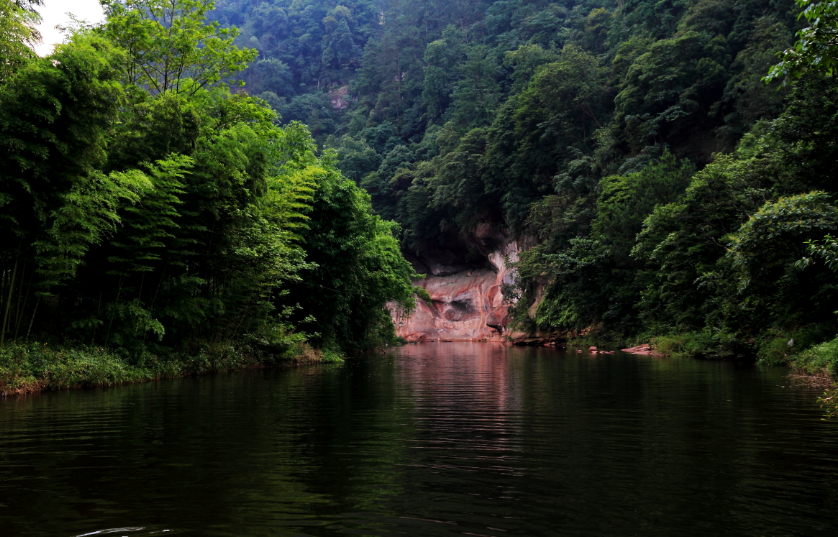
{"points": [[431, 439]]}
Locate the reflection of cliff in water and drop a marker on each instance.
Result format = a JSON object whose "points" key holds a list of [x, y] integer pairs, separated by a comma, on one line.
{"points": [[465, 395], [466, 298]]}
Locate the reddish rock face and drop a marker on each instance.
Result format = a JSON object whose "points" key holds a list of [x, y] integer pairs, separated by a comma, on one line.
{"points": [[339, 97], [643, 349], [465, 306]]}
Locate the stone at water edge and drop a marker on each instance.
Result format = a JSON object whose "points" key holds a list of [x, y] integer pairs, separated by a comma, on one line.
{"points": [[642, 349]]}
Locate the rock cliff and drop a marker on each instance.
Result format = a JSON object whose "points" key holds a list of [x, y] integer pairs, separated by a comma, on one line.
{"points": [[466, 302]]}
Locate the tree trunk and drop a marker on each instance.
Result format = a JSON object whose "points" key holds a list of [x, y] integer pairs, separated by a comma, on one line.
{"points": [[8, 304]]}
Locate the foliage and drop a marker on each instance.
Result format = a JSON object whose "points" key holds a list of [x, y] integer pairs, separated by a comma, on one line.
{"points": [[778, 227], [150, 210], [820, 358], [816, 48], [17, 36], [170, 46], [667, 88], [33, 367], [694, 344], [660, 187], [625, 201], [359, 268], [826, 249]]}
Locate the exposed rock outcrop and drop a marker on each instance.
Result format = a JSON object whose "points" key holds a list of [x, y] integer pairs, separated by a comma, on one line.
{"points": [[339, 98], [643, 349], [466, 303]]}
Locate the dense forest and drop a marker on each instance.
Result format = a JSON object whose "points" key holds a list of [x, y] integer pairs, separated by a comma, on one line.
{"points": [[663, 184], [230, 178], [155, 214]]}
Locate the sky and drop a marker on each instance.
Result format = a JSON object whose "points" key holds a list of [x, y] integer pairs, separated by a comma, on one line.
{"points": [[54, 12]]}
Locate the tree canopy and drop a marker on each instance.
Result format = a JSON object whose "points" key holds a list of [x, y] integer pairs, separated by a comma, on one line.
{"points": [[669, 165], [151, 207], [628, 142]]}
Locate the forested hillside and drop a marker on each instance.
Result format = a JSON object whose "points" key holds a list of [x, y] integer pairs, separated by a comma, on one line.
{"points": [[154, 222], [662, 186], [183, 186]]}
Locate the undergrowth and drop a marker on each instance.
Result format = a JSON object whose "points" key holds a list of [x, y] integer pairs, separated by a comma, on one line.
{"points": [[33, 367]]}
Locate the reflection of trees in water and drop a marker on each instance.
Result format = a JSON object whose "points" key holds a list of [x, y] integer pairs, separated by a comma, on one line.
{"points": [[429, 439]]}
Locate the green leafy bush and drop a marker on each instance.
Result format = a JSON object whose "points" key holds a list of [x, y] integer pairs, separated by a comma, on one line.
{"points": [[41, 366], [822, 358], [707, 343]]}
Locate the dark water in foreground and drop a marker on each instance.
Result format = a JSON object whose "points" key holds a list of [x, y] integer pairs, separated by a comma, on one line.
{"points": [[435, 439]]}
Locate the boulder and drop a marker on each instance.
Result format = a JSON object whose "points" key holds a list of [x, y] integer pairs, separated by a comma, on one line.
{"points": [[642, 349]]}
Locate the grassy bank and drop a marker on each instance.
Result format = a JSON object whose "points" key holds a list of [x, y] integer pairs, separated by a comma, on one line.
{"points": [[821, 361], [35, 367], [802, 349], [811, 362]]}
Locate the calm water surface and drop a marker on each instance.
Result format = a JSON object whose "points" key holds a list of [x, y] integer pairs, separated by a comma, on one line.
{"points": [[433, 439]]}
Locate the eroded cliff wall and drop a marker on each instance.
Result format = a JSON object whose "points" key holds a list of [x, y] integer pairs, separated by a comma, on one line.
{"points": [[466, 303]]}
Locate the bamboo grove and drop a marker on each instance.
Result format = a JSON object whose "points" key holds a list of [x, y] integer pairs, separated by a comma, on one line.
{"points": [[153, 208]]}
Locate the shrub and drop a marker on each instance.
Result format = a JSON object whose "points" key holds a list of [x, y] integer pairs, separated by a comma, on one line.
{"points": [[819, 359], [38, 366], [780, 347]]}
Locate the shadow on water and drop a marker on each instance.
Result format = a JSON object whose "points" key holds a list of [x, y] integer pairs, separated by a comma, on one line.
{"points": [[432, 439]]}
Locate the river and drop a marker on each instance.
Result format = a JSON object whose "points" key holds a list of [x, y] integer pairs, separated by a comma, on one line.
{"points": [[429, 439]]}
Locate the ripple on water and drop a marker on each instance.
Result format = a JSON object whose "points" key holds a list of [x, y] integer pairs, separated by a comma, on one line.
{"points": [[434, 439]]}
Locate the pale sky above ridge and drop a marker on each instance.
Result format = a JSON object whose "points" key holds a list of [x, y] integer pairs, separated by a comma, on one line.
{"points": [[54, 12]]}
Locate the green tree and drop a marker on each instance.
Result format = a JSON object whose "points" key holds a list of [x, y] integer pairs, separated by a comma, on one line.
{"points": [[441, 59], [773, 233], [54, 117], [359, 268], [271, 75], [477, 93], [525, 61], [17, 36], [668, 90], [170, 46], [341, 50], [683, 241], [356, 158], [539, 133], [747, 99], [816, 48], [624, 202]]}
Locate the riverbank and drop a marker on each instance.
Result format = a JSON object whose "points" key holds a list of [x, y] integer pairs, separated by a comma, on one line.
{"points": [[39, 367]]}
